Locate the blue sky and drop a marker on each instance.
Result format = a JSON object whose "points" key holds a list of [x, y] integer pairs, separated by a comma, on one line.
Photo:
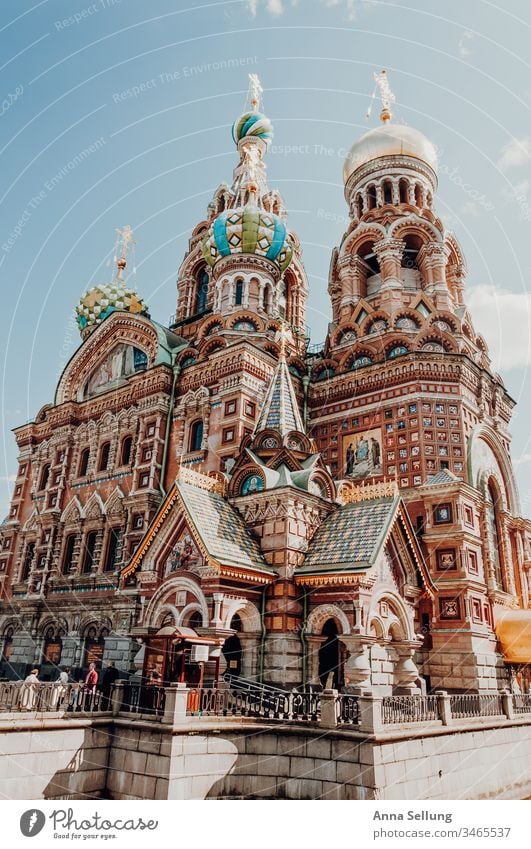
{"points": [[150, 90]]}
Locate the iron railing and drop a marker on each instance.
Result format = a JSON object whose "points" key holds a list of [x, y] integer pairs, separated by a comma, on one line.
{"points": [[268, 705], [467, 705], [522, 703], [398, 709], [348, 710], [142, 699], [43, 697]]}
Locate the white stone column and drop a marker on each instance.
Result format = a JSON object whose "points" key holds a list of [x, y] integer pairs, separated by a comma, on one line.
{"points": [[357, 669], [405, 672]]}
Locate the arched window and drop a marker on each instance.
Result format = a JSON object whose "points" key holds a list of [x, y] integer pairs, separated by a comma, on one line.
{"points": [[493, 524], [105, 450], [239, 293], [53, 647], [403, 191], [196, 436], [28, 560], [202, 281], [358, 206], [387, 192], [111, 554], [89, 551], [45, 474], [267, 299], [196, 620], [412, 247], [366, 252], [68, 556], [94, 646], [371, 197], [127, 444], [7, 646], [83, 462]]}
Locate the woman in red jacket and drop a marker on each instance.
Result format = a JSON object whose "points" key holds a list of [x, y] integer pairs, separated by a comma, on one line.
{"points": [[92, 679]]}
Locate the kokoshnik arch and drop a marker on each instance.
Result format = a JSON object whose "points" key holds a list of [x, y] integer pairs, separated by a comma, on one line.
{"points": [[346, 516]]}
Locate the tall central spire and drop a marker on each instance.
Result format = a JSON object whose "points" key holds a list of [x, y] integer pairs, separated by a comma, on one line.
{"points": [[280, 411]]}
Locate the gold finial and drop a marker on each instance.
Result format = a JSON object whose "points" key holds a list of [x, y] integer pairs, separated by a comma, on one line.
{"points": [[386, 95], [124, 239], [255, 91]]}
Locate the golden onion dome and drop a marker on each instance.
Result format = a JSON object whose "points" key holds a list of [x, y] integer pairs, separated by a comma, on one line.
{"points": [[389, 140]]}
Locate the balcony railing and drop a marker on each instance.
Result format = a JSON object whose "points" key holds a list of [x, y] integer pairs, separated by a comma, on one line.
{"points": [[469, 705], [399, 709], [269, 705], [522, 703], [329, 709], [42, 697], [140, 699], [348, 710]]}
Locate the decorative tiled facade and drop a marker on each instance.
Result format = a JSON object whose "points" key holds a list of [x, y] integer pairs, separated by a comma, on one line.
{"points": [[346, 516]]}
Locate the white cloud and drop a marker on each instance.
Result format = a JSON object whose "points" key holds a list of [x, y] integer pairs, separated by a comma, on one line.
{"points": [[274, 7], [352, 7], [464, 44], [504, 319], [515, 153]]}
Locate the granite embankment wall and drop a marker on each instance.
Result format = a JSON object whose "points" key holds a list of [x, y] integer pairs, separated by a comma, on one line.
{"points": [[115, 758]]}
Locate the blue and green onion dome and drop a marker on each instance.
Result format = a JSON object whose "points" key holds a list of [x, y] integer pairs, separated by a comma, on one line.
{"points": [[248, 230], [253, 125], [100, 301]]}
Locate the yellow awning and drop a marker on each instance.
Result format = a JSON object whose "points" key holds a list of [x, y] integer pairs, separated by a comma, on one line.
{"points": [[513, 630]]}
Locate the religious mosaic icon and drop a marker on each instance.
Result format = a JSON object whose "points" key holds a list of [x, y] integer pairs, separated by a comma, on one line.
{"points": [[185, 556], [362, 454]]}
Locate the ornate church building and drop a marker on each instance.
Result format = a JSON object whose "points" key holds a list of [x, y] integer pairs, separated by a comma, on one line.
{"points": [[214, 496]]}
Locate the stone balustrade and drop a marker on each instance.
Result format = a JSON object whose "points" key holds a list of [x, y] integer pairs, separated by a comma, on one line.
{"points": [[177, 705]]}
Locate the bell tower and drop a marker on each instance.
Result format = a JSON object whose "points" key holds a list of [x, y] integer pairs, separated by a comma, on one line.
{"points": [[395, 248], [403, 391], [244, 265]]}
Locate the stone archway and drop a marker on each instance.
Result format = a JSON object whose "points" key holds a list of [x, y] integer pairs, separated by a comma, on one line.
{"points": [[325, 654], [394, 644], [248, 631]]}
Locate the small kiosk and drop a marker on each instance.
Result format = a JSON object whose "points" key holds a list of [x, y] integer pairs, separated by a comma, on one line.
{"points": [[179, 655]]}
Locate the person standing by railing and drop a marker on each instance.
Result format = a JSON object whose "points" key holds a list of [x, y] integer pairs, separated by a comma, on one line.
{"points": [[61, 687], [91, 681], [29, 690], [107, 683]]}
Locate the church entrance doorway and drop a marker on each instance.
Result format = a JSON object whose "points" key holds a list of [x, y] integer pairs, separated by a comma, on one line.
{"points": [[330, 657], [232, 649]]}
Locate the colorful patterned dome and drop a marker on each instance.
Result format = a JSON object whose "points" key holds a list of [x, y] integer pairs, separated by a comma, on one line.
{"points": [[254, 125], [100, 301], [248, 230]]}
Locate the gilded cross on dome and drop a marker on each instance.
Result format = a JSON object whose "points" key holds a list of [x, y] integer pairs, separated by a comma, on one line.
{"points": [[255, 90], [386, 95], [124, 239]]}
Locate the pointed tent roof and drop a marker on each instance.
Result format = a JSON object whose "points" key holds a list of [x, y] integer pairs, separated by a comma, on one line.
{"points": [[280, 410]]}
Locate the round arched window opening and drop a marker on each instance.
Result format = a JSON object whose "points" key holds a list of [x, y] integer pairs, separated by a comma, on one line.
{"points": [[493, 527]]}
